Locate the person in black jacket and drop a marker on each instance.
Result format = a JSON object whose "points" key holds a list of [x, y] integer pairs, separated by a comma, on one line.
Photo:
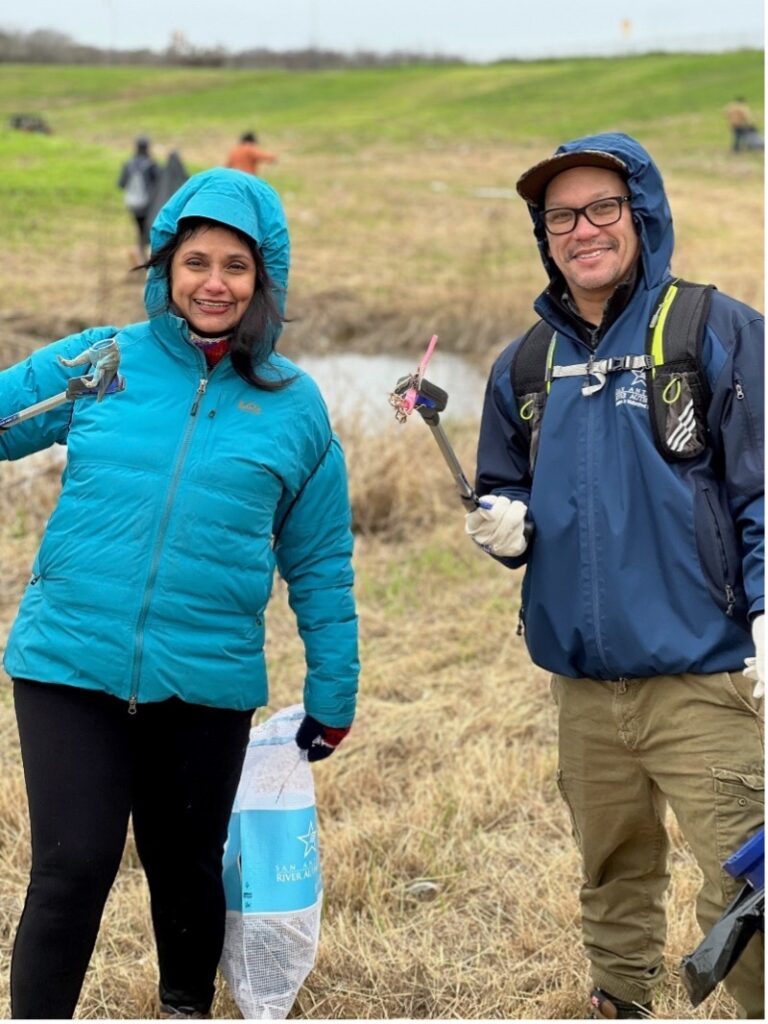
{"points": [[138, 179]]}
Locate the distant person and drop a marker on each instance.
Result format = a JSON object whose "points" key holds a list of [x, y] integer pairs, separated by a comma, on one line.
{"points": [[637, 509], [170, 178], [743, 129], [138, 179], [248, 156]]}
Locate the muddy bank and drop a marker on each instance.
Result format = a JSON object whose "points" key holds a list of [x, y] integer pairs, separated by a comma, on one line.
{"points": [[319, 324], [341, 321]]}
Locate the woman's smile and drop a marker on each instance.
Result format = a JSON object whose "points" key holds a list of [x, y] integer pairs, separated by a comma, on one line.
{"points": [[213, 278]]}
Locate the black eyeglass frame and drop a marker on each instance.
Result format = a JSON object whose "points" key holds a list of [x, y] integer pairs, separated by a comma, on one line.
{"points": [[577, 211]]}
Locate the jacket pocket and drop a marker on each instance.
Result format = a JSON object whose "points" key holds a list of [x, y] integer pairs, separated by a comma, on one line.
{"points": [[718, 554], [257, 632], [678, 413]]}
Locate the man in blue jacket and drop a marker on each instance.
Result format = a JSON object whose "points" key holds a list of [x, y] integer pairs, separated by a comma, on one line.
{"points": [[643, 591]]}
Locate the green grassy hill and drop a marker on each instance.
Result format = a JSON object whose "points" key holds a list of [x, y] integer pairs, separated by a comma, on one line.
{"points": [[381, 170], [354, 108], [672, 100]]}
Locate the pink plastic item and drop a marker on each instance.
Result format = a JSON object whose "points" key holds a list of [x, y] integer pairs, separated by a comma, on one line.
{"points": [[409, 399]]}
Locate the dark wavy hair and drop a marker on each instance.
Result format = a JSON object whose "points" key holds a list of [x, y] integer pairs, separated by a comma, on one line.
{"points": [[253, 339]]}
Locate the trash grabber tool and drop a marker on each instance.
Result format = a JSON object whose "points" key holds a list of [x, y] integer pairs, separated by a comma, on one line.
{"points": [[104, 358], [414, 392]]}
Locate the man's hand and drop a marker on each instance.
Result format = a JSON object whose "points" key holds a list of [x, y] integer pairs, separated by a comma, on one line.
{"points": [[317, 739], [500, 528], [755, 667]]}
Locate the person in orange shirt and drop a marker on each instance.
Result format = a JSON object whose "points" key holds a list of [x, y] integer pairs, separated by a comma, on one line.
{"points": [[247, 156]]}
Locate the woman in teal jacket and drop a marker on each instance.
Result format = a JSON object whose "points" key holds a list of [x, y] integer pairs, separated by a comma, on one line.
{"points": [[137, 653]]}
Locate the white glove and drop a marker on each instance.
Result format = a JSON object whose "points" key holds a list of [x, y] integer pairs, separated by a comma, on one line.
{"points": [[755, 667], [499, 528]]}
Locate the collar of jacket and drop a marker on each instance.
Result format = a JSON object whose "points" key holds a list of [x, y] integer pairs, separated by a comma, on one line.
{"points": [[173, 332], [556, 306]]}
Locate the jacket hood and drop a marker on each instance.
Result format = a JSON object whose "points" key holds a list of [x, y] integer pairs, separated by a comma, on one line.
{"points": [[650, 208], [235, 200]]}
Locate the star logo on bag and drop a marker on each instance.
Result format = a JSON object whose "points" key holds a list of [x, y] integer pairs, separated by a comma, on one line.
{"points": [[310, 840]]}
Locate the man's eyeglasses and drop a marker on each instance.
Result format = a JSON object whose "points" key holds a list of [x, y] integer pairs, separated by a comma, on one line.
{"points": [[561, 219]]}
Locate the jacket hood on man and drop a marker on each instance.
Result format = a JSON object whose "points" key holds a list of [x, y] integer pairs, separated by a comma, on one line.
{"points": [[236, 200], [650, 208]]}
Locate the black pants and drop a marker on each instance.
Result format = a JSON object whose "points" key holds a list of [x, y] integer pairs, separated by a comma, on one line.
{"points": [[142, 227], [89, 766]]}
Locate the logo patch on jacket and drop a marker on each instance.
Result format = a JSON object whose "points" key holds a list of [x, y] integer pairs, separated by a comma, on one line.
{"points": [[635, 393], [250, 407]]}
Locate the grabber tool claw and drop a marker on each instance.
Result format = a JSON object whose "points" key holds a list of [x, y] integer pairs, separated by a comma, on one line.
{"points": [[415, 392], [104, 359]]}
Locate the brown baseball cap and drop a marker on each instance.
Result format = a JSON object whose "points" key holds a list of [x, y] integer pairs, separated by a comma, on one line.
{"points": [[533, 184]]}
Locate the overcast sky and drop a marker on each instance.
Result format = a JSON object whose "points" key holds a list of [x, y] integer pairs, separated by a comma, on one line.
{"points": [[474, 29]]}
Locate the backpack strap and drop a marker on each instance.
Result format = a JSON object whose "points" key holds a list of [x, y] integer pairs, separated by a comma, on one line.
{"points": [[678, 390], [531, 374], [534, 355]]}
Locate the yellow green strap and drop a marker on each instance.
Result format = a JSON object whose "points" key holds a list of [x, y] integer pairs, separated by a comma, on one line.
{"points": [[657, 343]]}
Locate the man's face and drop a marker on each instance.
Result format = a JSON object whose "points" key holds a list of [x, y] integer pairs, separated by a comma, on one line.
{"points": [[593, 260]]}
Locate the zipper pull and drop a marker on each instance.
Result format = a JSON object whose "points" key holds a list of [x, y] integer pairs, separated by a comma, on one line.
{"points": [[132, 705], [739, 391], [520, 631], [730, 598], [201, 388]]}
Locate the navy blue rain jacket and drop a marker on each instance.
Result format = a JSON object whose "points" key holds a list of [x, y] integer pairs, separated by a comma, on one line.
{"points": [[637, 566]]}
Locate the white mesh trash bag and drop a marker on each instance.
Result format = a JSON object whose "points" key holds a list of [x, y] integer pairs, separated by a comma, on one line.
{"points": [[272, 874]]}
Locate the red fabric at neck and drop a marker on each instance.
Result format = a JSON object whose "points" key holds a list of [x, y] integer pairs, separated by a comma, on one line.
{"points": [[214, 349]]}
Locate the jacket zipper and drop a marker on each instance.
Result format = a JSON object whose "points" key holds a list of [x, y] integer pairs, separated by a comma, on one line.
{"points": [[592, 533], [746, 412], [730, 596], [157, 551]]}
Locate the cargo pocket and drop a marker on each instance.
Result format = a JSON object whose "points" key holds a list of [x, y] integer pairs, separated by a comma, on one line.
{"points": [[739, 812]]}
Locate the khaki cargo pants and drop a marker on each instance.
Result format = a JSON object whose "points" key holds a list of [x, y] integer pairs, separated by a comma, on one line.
{"points": [[626, 750]]}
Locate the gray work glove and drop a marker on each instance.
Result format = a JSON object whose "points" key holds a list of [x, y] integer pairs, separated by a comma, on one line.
{"points": [[499, 528]]}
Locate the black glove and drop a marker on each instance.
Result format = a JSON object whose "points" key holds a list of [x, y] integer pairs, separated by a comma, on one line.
{"points": [[317, 739]]}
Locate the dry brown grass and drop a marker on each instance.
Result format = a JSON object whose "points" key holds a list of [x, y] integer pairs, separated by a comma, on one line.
{"points": [[390, 247], [448, 776], [448, 773]]}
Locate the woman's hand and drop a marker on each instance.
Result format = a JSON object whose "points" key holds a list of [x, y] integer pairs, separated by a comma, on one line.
{"points": [[317, 739]]}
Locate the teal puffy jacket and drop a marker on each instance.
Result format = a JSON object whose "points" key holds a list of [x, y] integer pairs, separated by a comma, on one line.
{"points": [[179, 497]]}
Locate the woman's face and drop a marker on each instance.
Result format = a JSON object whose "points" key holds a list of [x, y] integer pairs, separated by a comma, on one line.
{"points": [[213, 278]]}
